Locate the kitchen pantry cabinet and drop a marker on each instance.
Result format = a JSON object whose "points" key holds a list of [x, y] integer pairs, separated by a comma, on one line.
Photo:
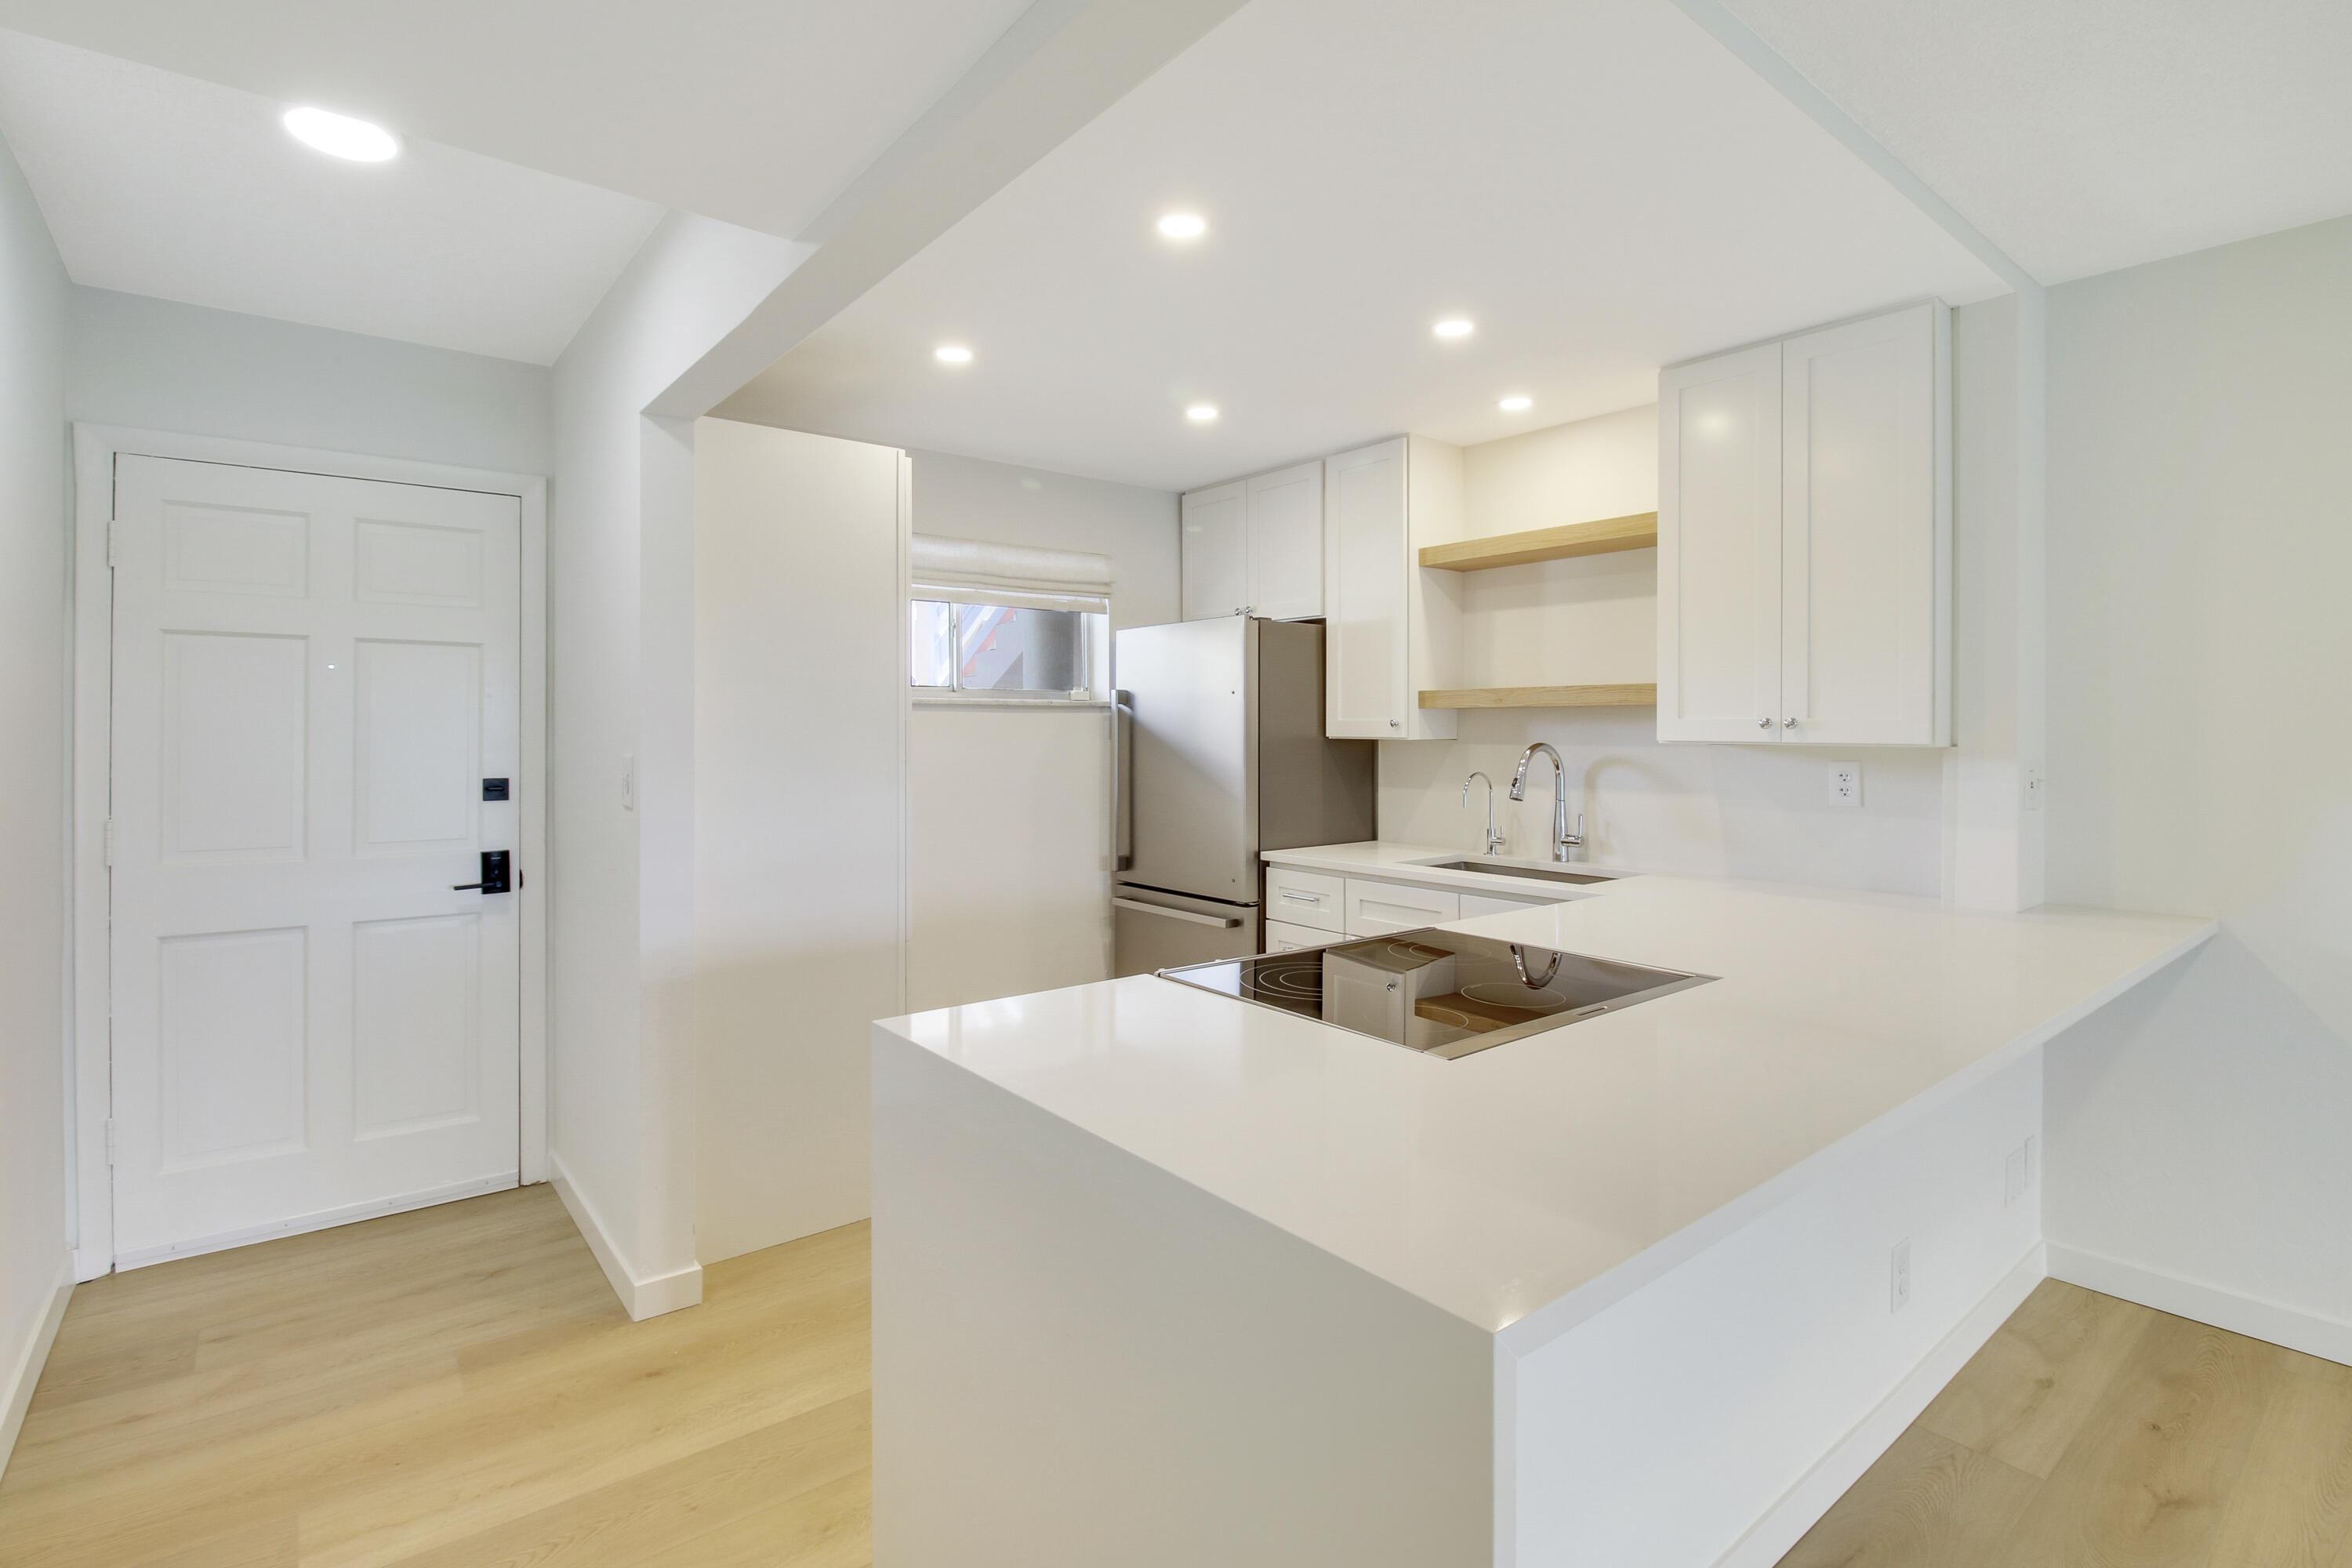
{"points": [[1391, 627], [1804, 538], [1255, 546]]}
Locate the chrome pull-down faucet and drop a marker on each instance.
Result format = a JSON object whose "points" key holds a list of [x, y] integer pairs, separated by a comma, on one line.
{"points": [[1562, 840], [1494, 839]]}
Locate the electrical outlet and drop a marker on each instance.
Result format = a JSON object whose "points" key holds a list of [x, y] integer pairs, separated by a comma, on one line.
{"points": [[1898, 1277], [2033, 789], [1845, 785], [2017, 1173]]}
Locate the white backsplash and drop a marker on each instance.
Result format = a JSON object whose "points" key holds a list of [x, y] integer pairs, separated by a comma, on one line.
{"points": [[1762, 811]]}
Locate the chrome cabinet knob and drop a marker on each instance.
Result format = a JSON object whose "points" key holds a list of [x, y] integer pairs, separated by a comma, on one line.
{"points": [[1787, 723], [1395, 724], [1763, 723]]}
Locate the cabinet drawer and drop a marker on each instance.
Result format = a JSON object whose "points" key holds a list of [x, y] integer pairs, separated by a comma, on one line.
{"points": [[1375, 908], [1281, 938], [1305, 899]]}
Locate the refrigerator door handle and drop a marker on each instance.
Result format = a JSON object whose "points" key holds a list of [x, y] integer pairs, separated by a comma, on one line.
{"points": [[1143, 909], [1122, 780]]}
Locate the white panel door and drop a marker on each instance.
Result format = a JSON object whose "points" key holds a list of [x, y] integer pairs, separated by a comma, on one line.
{"points": [[1719, 548], [1364, 669], [1216, 552], [1285, 543], [313, 678], [1862, 539]]}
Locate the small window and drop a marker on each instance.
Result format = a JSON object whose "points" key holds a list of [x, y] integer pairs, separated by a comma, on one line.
{"points": [[1001, 650]]}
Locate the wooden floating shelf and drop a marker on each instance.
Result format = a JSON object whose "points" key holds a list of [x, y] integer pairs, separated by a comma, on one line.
{"points": [[1639, 532], [1637, 695]]}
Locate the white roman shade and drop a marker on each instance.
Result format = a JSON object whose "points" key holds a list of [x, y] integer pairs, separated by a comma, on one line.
{"points": [[974, 572]]}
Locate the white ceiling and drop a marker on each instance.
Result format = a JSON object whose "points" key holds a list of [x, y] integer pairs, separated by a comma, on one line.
{"points": [[161, 185], [2086, 135], [759, 112], [1600, 185]]}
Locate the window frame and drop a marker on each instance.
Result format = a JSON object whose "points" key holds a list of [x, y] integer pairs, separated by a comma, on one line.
{"points": [[956, 691]]}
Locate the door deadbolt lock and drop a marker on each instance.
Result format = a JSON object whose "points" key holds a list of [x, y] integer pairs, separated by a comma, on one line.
{"points": [[494, 871]]}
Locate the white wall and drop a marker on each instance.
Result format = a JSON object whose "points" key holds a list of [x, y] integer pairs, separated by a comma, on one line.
{"points": [[34, 1266], [1009, 811], [2201, 545], [154, 364], [799, 821], [621, 614]]}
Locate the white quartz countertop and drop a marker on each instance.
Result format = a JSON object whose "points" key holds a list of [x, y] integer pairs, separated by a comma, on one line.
{"points": [[1532, 1183], [1412, 863]]}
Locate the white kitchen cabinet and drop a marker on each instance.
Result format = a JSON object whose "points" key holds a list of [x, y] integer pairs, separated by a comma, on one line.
{"points": [[1255, 546], [1285, 542], [1475, 904], [1391, 627], [1805, 539], [1306, 897], [1377, 908], [1281, 938], [1216, 551]]}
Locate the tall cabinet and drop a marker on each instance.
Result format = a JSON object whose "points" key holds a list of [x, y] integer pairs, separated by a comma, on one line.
{"points": [[1804, 538], [1392, 627]]}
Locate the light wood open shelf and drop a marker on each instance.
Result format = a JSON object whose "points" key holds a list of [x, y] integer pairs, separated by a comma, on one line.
{"points": [[1643, 695], [1639, 532]]}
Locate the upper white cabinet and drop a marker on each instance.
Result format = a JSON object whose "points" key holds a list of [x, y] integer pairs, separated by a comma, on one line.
{"points": [[1391, 627], [1216, 551], [1805, 539], [1255, 546]]}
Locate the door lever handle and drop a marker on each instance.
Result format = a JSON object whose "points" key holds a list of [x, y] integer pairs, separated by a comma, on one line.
{"points": [[496, 874]]}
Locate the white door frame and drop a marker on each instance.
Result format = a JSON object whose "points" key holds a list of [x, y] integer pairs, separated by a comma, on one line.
{"points": [[87, 1005]]}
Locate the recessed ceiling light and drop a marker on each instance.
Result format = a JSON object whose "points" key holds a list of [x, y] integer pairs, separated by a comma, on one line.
{"points": [[951, 353], [340, 136], [1202, 412], [1516, 404], [1183, 225], [1452, 327]]}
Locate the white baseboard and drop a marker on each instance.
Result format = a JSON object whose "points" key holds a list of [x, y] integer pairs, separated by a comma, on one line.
{"points": [[642, 1296], [2330, 1339], [1802, 1505], [24, 1370], [324, 1219]]}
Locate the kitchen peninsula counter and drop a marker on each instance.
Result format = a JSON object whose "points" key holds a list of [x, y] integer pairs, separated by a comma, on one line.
{"points": [[1422, 1266]]}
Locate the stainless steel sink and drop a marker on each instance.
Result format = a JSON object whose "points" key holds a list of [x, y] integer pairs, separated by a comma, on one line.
{"points": [[1536, 873]]}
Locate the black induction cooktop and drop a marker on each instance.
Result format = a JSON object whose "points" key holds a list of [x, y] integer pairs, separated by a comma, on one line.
{"points": [[1437, 992]]}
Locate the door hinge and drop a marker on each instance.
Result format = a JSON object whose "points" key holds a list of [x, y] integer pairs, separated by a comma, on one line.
{"points": [[113, 1143], [110, 843]]}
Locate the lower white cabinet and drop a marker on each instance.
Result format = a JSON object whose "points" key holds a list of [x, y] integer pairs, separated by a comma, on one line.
{"points": [[1378, 908], [1476, 904], [1281, 938], [1305, 899]]}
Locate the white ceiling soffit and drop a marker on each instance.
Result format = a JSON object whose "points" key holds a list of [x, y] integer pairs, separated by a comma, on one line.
{"points": [[2094, 134], [1601, 186], [759, 112], [161, 185]]}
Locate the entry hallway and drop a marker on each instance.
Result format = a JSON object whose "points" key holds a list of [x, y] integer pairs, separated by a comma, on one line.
{"points": [[456, 1388], [450, 1388]]}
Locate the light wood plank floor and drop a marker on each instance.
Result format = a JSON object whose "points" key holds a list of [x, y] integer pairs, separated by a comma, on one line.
{"points": [[456, 1388], [451, 1388], [2091, 1433]]}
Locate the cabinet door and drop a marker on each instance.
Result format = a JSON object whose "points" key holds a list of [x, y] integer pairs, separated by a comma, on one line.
{"points": [[1719, 548], [1216, 552], [1281, 938], [1364, 593], [1866, 532], [1285, 543]]}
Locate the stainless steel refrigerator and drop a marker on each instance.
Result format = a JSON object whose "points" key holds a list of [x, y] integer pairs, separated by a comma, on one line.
{"points": [[1221, 755]]}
